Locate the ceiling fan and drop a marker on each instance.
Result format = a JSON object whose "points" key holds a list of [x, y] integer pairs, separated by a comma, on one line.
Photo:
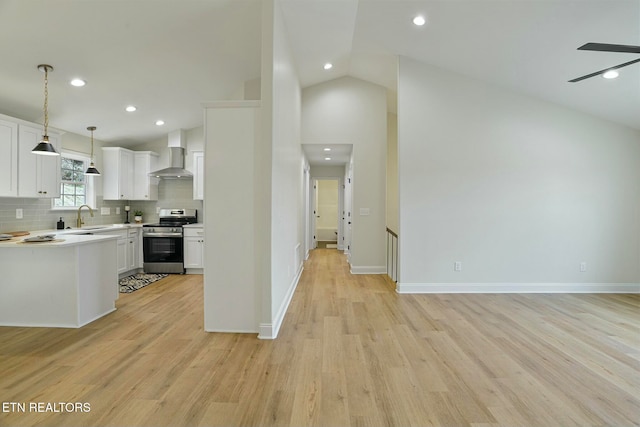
{"points": [[604, 47]]}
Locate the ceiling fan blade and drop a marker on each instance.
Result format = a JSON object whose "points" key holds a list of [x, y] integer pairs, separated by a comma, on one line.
{"points": [[602, 71], [604, 47]]}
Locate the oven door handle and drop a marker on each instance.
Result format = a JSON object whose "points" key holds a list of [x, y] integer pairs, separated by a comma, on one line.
{"points": [[162, 235]]}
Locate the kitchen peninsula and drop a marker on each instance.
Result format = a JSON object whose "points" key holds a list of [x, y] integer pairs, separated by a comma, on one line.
{"points": [[68, 282]]}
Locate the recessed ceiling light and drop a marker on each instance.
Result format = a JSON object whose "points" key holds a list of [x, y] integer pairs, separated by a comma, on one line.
{"points": [[327, 158], [328, 66], [611, 74], [78, 82], [419, 20], [159, 122], [327, 149], [131, 108]]}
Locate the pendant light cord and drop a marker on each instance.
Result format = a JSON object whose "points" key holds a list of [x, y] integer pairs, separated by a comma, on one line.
{"points": [[92, 145], [46, 99]]}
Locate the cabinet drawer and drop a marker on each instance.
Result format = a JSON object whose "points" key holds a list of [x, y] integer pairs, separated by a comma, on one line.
{"points": [[193, 232]]}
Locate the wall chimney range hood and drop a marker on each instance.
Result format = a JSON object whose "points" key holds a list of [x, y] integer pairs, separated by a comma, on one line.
{"points": [[176, 170]]}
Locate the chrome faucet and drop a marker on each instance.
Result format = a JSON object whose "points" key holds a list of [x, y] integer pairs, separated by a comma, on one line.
{"points": [[79, 220]]}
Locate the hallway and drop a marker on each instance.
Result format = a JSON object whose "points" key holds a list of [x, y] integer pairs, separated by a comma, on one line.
{"points": [[350, 352]]}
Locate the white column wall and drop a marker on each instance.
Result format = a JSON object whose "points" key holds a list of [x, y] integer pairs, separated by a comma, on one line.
{"points": [[282, 93]]}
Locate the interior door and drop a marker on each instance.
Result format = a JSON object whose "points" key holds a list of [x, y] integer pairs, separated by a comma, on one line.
{"points": [[314, 204], [347, 214]]}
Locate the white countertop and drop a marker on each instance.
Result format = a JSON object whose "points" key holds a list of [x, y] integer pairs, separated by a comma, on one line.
{"points": [[69, 236], [60, 240]]}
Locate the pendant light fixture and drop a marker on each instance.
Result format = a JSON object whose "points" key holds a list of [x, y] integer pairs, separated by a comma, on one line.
{"points": [[91, 170], [45, 147]]}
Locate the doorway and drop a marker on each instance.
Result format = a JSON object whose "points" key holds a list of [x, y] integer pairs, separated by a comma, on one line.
{"points": [[327, 213]]}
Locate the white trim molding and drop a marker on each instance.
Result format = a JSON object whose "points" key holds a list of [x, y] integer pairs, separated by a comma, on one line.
{"points": [[513, 288], [269, 331], [368, 269]]}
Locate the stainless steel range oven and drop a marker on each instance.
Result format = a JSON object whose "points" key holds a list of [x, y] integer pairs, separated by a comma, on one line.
{"points": [[163, 242]]}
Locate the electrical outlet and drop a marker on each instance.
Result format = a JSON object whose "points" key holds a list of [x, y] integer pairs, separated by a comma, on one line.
{"points": [[117, 210], [583, 267], [19, 213], [457, 266]]}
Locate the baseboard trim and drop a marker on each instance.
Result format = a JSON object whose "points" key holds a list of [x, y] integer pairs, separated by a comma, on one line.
{"points": [[506, 288], [368, 269], [231, 331], [269, 331]]}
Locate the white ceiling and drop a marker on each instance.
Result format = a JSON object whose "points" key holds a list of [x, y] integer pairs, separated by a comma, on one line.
{"points": [[318, 155], [169, 56]]}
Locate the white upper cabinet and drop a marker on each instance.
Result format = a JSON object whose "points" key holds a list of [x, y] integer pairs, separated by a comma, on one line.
{"points": [[38, 176], [198, 175], [22, 173], [8, 159], [117, 173], [145, 187], [125, 174]]}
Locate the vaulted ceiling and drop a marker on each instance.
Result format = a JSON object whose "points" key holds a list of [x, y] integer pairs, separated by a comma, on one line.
{"points": [[168, 56]]}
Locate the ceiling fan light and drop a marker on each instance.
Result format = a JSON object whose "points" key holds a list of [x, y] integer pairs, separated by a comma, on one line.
{"points": [[610, 74]]}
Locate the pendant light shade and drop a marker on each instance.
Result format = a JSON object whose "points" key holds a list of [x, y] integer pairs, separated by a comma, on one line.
{"points": [[91, 170], [44, 147]]}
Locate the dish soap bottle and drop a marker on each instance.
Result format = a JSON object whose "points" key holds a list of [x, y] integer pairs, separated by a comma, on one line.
{"points": [[60, 224]]}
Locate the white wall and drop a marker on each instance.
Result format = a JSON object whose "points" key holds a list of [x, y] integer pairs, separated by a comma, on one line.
{"points": [[352, 111], [519, 190], [281, 94], [232, 285]]}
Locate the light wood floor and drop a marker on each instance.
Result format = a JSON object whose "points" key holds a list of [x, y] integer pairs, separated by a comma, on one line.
{"points": [[351, 352]]}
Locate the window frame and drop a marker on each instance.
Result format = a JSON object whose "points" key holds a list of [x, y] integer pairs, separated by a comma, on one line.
{"points": [[90, 191]]}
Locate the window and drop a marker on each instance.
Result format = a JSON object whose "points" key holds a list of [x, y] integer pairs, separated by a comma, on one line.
{"points": [[76, 189]]}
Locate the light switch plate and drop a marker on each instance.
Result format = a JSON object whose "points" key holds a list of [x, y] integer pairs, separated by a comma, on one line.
{"points": [[105, 211], [19, 213], [365, 211]]}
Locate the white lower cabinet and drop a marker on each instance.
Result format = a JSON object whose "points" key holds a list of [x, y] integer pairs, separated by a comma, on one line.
{"points": [[194, 248], [128, 247], [122, 254], [133, 243]]}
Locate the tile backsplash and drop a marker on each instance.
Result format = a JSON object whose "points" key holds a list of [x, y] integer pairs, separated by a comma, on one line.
{"points": [[38, 215]]}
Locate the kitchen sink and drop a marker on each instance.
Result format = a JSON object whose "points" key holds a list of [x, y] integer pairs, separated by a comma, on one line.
{"points": [[84, 230]]}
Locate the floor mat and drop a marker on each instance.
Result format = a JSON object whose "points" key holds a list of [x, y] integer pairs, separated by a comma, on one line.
{"points": [[139, 280]]}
